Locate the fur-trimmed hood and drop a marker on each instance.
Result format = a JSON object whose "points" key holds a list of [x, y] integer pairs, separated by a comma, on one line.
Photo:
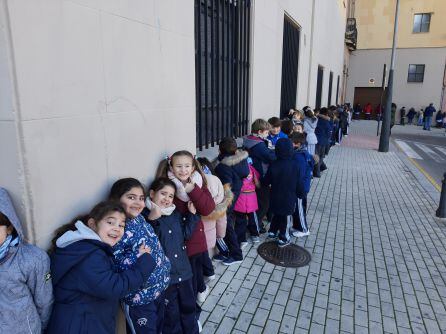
{"points": [[223, 201], [326, 117], [232, 160]]}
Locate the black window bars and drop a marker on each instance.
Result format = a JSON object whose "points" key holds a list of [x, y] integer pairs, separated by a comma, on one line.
{"points": [[222, 53]]}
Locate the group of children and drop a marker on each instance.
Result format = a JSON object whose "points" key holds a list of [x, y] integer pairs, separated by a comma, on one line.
{"points": [[151, 250]]}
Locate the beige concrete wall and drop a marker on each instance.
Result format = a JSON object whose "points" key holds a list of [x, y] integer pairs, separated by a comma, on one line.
{"points": [[375, 21], [106, 89], [366, 64]]}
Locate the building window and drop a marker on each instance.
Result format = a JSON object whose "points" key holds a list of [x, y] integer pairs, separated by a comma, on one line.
{"points": [[421, 22], [222, 53], [416, 73]]}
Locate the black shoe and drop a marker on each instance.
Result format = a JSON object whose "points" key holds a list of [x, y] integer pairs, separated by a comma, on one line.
{"points": [[262, 230]]}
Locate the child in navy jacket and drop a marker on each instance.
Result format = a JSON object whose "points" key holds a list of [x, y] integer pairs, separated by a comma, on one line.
{"points": [[87, 287], [305, 162], [284, 176], [323, 133], [261, 156], [172, 229]]}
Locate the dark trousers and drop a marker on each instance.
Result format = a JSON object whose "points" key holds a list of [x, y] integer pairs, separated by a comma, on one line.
{"points": [[281, 224], [229, 246], [208, 268], [263, 201], [300, 215], [145, 319], [180, 316], [320, 151], [244, 222], [196, 262]]}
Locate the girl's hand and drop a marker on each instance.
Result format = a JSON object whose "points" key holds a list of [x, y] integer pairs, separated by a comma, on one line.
{"points": [[189, 186], [191, 207], [143, 249], [155, 213]]}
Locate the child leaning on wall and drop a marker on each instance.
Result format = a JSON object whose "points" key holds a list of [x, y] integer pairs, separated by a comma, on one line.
{"points": [[26, 295]]}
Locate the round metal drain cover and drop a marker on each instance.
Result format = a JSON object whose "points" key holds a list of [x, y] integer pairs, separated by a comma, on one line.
{"points": [[289, 256]]}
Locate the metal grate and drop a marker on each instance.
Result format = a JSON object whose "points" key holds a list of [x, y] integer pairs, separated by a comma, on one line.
{"points": [[289, 256], [222, 53]]}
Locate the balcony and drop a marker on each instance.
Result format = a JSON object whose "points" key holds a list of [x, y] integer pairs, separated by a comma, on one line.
{"points": [[351, 34]]}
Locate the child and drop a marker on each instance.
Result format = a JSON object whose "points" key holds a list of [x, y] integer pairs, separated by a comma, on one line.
{"points": [[283, 176], [246, 206], [305, 162], [232, 169], [191, 186], [275, 132], [261, 158], [173, 229], [287, 127], [86, 286], [310, 123], [323, 133], [27, 294], [148, 301]]}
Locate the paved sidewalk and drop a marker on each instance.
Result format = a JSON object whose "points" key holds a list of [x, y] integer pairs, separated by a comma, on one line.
{"points": [[378, 259]]}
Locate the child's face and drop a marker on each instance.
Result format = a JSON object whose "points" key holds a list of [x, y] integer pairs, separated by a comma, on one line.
{"points": [[263, 133], [296, 145], [275, 130], [110, 228], [4, 232], [298, 128], [182, 168], [297, 116], [163, 197], [133, 202]]}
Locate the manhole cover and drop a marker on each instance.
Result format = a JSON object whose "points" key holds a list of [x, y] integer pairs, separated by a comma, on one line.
{"points": [[289, 256]]}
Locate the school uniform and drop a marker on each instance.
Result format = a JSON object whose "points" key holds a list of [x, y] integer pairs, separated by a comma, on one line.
{"points": [[323, 133], [180, 310], [283, 176], [274, 138]]}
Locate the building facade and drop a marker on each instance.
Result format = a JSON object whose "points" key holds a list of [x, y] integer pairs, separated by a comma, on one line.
{"points": [[92, 91], [420, 54]]}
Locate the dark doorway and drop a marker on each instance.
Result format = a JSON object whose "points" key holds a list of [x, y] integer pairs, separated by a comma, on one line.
{"points": [[320, 80], [330, 88], [372, 95], [290, 61], [337, 90]]}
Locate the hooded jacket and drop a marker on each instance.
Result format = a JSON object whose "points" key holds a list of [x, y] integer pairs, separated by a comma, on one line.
{"points": [[306, 164], [323, 130], [26, 293], [309, 128], [232, 169], [259, 152], [284, 177], [87, 288]]}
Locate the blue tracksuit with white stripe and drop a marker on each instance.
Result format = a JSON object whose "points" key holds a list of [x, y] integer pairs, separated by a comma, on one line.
{"points": [[306, 163]]}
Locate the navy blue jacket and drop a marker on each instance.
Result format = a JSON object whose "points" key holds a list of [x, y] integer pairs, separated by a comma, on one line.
{"points": [[306, 164], [323, 131], [284, 176], [87, 288], [259, 152], [172, 231], [233, 169], [429, 111]]}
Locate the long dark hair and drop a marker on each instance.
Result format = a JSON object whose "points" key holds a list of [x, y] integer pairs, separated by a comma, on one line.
{"points": [[160, 183], [99, 211], [122, 186]]}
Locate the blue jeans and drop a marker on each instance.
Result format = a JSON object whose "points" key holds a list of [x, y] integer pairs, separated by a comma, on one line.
{"points": [[427, 122]]}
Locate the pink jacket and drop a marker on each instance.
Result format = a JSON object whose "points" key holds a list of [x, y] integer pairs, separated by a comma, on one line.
{"points": [[247, 201], [215, 223]]}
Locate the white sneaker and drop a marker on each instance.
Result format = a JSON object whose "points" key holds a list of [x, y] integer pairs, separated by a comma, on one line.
{"points": [[293, 232], [301, 234], [200, 328], [207, 279], [201, 296], [243, 245]]}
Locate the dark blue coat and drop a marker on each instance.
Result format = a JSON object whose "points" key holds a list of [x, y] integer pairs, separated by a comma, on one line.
{"points": [[284, 176], [233, 169], [259, 152], [87, 289], [172, 231], [429, 111], [323, 131], [306, 164]]}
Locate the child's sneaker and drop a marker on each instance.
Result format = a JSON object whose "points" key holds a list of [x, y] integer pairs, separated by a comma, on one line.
{"points": [[272, 235], [201, 296], [301, 234], [207, 279], [283, 243], [219, 258], [229, 261], [294, 232], [243, 245], [255, 239]]}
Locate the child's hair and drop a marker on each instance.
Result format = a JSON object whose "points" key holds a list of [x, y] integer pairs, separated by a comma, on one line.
{"points": [[121, 186], [164, 165], [260, 125], [228, 145], [4, 221], [287, 127], [298, 138], [275, 122], [323, 111], [204, 162], [309, 113], [160, 183], [99, 211]]}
